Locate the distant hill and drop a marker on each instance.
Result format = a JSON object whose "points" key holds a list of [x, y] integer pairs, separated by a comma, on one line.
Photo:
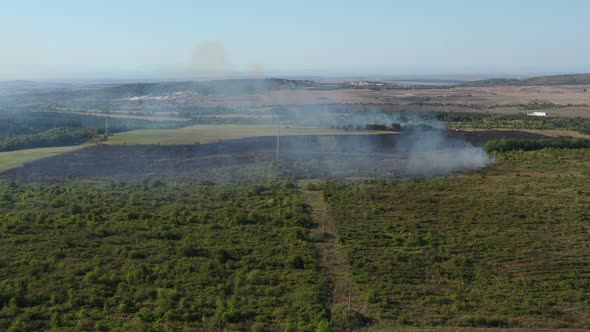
{"points": [[225, 87], [25, 92], [558, 80], [541, 80], [21, 86]]}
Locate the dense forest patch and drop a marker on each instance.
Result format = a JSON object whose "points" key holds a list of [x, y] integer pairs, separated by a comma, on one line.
{"points": [[49, 138]]}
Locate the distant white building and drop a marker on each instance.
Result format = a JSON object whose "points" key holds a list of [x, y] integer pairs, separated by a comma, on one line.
{"points": [[538, 114]]}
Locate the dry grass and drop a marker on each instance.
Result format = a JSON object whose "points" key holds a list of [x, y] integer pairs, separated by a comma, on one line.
{"points": [[482, 96], [560, 94], [213, 133], [12, 159]]}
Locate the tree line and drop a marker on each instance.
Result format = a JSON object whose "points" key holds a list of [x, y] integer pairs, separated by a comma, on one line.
{"points": [[509, 144], [49, 138]]}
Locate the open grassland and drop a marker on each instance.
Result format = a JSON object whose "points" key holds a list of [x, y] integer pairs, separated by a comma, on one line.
{"points": [[12, 159], [213, 133], [492, 95], [504, 247]]}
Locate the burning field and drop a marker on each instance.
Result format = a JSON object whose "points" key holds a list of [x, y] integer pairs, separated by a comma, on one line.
{"points": [[409, 154]]}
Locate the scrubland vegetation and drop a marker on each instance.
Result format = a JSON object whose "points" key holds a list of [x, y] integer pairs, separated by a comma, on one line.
{"points": [[102, 256], [503, 247], [506, 246]]}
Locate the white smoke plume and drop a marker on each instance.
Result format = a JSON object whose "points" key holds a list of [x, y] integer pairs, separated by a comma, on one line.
{"points": [[432, 152], [210, 59]]}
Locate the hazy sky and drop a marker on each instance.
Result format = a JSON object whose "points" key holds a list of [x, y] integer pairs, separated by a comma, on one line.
{"points": [[133, 39]]}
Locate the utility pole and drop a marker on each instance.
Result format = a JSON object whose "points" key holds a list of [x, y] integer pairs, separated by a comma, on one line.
{"points": [[278, 140], [349, 295], [106, 126]]}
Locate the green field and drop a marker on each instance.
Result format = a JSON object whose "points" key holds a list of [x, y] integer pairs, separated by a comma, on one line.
{"points": [[213, 133], [12, 159]]}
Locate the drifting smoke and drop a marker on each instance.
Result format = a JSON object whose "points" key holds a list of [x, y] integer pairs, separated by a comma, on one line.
{"points": [[387, 119], [257, 70], [210, 59], [423, 147], [428, 145], [429, 149], [431, 152]]}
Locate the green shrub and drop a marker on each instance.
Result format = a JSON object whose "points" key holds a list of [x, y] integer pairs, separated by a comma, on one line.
{"points": [[324, 326], [343, 320]]}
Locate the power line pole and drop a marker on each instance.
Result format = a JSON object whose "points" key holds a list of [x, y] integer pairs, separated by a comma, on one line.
{"points": [[278, 150], [349, 295], [106, 126]]}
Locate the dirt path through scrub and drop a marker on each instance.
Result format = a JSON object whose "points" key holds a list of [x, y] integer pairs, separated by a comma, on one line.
{"points": [[332, 258]]}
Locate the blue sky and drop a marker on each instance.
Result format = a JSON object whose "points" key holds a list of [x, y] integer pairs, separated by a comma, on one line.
{"points": [[167, 39]]}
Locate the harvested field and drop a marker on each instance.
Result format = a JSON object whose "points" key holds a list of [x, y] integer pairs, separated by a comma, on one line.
{"points": [[308, 156], [11, 159], [213, 133]]}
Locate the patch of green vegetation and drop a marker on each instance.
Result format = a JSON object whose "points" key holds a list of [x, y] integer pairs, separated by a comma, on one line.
{"points": [[212, 133], [27, 120], [12, 159], [536, 105], [508, 144], [49, 138], [156, 256], [502, 247], [513, 121]]}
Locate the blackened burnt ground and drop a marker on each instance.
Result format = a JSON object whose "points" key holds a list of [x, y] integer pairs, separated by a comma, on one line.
{"points": [[300, 157]]}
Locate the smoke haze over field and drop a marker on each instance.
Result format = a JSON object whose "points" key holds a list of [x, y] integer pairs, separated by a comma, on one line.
{"points": [[429, 149], [430, 152]]}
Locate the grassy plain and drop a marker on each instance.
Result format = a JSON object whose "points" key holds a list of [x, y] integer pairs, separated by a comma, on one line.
{"points": [[12, 159], [213, 133]]}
